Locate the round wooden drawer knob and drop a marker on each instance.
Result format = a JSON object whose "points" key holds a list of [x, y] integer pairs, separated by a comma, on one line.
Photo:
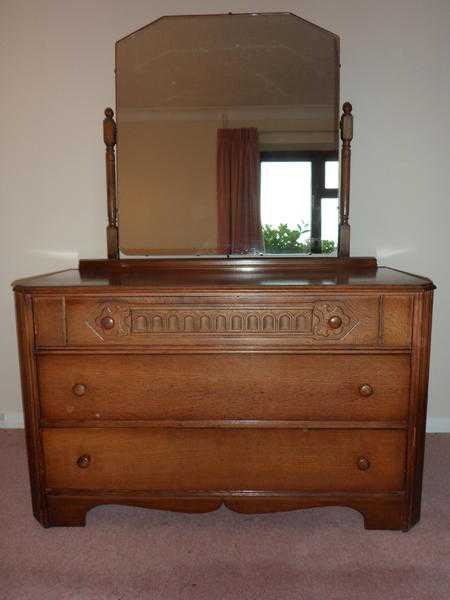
{"points": [[107, 322], [79, 389], [84, 461], [335, 322], [363, 463], [365, 390]]}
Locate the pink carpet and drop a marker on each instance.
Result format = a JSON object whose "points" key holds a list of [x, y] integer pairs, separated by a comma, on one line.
{"points": [[131, 554]]}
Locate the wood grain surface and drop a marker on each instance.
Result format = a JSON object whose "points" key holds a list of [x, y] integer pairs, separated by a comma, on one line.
{"points": [[224, 386], [213, 460]]}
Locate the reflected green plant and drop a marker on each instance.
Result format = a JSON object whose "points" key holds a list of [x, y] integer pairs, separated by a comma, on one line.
{"points": [[284, 240]]}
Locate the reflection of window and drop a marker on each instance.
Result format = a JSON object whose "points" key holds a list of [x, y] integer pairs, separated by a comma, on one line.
{"points": [[299, 201]]}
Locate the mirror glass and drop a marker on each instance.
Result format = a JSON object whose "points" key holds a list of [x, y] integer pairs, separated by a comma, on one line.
{"points": [[227, 136]]}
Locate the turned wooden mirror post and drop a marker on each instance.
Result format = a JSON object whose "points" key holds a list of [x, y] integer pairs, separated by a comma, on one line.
{"points": [[112, 230], [346, 127]]}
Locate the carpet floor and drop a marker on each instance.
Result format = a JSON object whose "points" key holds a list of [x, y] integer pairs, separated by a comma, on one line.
{"points": [[131, 554]]}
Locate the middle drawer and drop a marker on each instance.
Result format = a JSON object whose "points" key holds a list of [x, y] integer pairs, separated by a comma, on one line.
{"points": [[224, 386]]}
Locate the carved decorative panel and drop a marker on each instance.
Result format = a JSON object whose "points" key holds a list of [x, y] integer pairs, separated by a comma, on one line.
{"points": [[310, 319], [216, 321]]}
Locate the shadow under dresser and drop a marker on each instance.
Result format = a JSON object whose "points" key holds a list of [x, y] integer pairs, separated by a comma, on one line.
{"points": [[192, 385]]}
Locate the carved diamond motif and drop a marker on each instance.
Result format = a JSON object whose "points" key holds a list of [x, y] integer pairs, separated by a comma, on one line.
{"points": [[121, 318], [323, 311]]}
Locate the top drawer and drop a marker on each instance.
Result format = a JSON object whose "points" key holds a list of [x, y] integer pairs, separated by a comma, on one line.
{"points": [[223, 321]]}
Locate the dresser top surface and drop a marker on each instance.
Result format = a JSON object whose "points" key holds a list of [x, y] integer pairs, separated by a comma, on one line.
{"points": [[149, 280]]}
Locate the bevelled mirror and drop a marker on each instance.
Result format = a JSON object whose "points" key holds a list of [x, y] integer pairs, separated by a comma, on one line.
{"points": [[227, 136]]}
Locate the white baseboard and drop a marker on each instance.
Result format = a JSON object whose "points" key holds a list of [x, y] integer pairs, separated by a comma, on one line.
{"points": [[438, 425], [14, 420], [11, 420]]}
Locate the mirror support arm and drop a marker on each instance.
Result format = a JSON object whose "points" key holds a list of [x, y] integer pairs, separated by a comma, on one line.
{"points": [[346, 127], [109, 137]]}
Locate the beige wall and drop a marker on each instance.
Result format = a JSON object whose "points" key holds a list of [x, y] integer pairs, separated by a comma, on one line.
{"points": [[57, 60], [167, 187]]}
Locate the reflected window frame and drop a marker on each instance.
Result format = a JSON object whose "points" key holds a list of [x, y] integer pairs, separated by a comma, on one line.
{"points": [[317, 158]]}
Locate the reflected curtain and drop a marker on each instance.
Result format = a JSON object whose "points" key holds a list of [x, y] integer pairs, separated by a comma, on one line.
{"points": [[238, 191]]}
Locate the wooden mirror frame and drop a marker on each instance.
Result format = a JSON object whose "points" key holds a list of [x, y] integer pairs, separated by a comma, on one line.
{"points": [[112, 230]]}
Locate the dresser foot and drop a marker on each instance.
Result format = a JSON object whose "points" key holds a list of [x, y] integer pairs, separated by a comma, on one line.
{"points": [[379, 511], [67, 514], [386, 517], [71, 511]]}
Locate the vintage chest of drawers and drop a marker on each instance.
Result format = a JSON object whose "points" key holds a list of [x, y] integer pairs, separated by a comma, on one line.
{"points": [[193, 386]]}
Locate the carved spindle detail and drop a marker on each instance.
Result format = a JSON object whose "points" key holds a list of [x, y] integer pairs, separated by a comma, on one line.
{"points": [[268, 323], [346, 127], [285, 323], [109, 137]]}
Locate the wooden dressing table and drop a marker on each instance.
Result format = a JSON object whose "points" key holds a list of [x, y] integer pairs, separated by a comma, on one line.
{"points": [[261, 383]]}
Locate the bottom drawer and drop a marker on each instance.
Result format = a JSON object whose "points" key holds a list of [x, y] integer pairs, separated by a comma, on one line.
{"points": [[225, 459]]}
